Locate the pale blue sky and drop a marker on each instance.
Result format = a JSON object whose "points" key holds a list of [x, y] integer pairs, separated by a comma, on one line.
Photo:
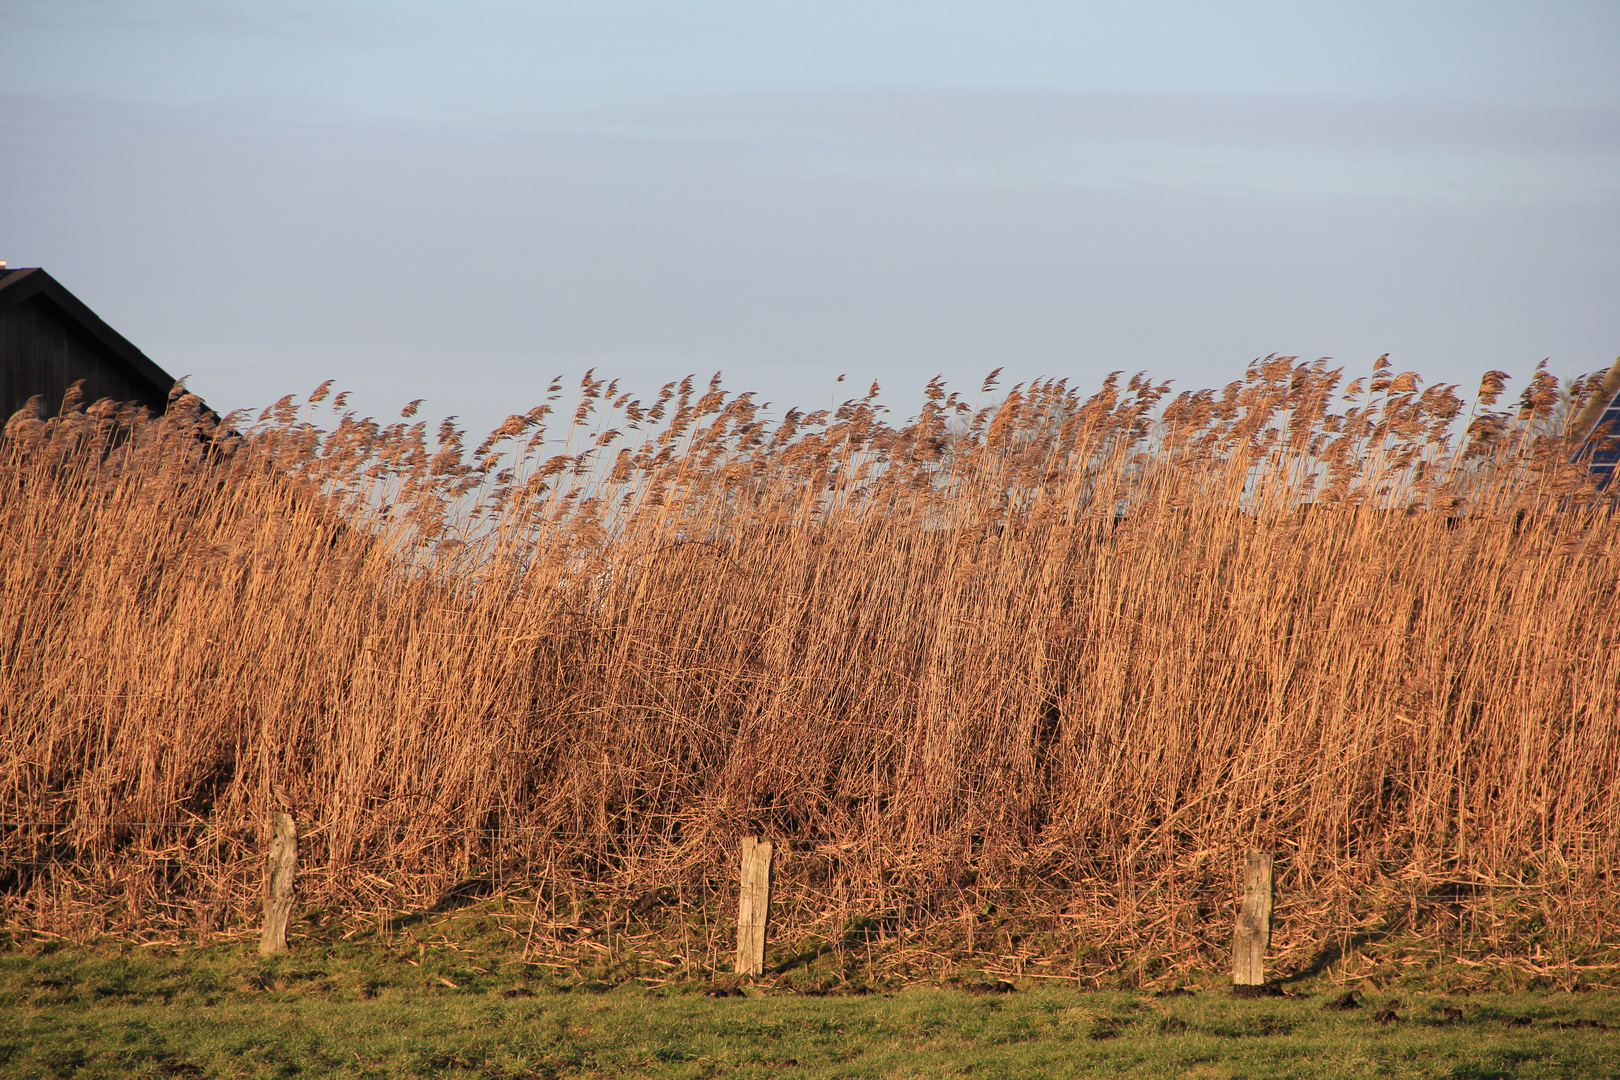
{"points": [[457, 201]]}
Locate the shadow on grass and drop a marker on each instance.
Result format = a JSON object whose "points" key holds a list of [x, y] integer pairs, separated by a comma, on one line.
{"points": [[1445, 892], [459, 895], [860, 932], [1331, 955]]}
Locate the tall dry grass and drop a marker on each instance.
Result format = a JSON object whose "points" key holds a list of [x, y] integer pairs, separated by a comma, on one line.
{"points": [[1083, 647]]}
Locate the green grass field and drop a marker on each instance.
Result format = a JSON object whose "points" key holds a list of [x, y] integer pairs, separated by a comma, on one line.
{"points": [[375, 1009]]}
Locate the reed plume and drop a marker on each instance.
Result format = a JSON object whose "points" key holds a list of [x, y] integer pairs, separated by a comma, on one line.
{"points": [[1083, 647]]}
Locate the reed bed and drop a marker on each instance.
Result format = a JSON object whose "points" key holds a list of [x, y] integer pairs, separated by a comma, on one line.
{"points": [[1065, 652]]}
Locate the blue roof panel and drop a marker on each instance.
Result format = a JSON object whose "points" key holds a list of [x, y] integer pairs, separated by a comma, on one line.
{"points": [[1602, 447]]}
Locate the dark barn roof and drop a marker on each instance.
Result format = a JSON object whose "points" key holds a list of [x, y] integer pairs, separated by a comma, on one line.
{"points": [[49, 340]]}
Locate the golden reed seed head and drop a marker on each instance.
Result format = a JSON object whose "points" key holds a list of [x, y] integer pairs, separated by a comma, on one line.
{"points": [[1079, 637]]}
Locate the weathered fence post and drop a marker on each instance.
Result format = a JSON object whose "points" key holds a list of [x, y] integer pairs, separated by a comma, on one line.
{"points": [[1253, 934], [278, 894], [754, 906]]}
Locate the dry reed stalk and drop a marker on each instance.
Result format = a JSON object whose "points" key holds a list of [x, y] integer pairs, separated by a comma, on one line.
{"points": [[1080, 647]]}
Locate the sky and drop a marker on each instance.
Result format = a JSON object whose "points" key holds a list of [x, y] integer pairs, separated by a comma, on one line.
{"points": [[458, 202]]}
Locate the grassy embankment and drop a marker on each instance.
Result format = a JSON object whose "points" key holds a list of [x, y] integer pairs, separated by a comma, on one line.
{"points": [[453, 995], [1059, 660]]}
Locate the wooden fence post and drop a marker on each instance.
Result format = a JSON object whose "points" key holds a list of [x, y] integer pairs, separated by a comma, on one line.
{"points": [[1253, 934], [278, 895], [754, 906]]}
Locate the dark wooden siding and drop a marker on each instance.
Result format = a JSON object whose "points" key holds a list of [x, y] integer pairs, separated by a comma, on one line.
{"points": [[49, 340], [42, 354]]}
